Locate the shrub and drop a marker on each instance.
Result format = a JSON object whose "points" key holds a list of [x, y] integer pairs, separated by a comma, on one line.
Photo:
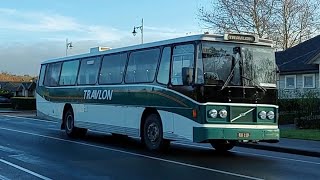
{"points": [[303, 109], [25, 103]]}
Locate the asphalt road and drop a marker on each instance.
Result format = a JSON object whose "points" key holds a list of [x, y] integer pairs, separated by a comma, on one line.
{"points": [[37, 149]]}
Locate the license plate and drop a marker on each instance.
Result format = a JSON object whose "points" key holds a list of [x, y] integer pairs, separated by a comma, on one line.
{"points": [[243, 135]]}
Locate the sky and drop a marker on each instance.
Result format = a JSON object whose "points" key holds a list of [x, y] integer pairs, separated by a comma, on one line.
{"points": [[35, 30]]}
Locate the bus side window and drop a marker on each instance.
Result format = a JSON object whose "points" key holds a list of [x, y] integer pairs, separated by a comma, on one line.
{"points": [[52, 74], [142, 66], [183, 56], [112, 68], [164, 69], [89, 70], [69, 73]]}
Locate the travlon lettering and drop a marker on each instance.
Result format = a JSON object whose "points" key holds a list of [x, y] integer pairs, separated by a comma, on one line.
{"points": [[97, 94]]}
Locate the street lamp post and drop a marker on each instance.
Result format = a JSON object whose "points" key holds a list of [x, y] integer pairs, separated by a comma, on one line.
{"points": [[134, 32], [68, 45]]}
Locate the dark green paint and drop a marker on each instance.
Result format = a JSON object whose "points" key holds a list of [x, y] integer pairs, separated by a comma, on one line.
{"points": [[203, 134], [159, 98]]}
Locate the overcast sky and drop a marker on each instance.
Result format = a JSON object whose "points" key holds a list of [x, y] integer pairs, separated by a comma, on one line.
{"points": [[35, 30]]}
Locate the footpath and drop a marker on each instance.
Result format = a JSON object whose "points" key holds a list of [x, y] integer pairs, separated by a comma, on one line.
{"points": [[292, 146]]}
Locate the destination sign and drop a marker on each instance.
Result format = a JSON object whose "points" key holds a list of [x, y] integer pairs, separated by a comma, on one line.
{"points": [[240, 37]]}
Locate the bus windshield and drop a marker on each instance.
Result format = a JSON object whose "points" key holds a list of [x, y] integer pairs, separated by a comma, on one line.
{"points": [[237, 65]]}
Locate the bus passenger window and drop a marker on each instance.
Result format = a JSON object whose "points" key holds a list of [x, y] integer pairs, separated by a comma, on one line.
{"points": [[89, 70], [69, 73], [142, 66], [112, 68]]}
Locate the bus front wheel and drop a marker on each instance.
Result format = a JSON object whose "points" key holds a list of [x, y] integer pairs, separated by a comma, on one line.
{"points": [[222, 145], [153, 134], [71, 130]]}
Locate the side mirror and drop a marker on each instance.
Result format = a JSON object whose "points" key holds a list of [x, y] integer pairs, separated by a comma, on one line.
{"points": [[187, 75]]}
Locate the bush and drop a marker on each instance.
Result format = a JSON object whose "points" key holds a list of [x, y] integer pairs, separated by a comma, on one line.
{"points": [[25, 103], [5, 93], [303, 110]]}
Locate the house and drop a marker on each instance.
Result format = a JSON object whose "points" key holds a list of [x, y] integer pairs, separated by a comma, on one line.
{"points": [[26, 89], [299, 68], [20, 89]]}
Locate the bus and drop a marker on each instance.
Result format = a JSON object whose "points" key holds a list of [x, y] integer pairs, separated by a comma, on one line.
{"points": [[204, 88]]}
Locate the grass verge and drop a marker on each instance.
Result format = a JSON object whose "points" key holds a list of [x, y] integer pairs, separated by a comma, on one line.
{"points": [[306, 134]]}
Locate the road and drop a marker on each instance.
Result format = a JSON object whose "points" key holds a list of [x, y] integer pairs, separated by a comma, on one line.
{"points": [[37, 149]]}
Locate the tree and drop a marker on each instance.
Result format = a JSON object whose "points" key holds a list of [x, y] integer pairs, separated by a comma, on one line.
{"points": [[287, 22]]}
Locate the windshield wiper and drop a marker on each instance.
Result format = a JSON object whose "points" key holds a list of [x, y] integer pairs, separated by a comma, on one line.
{"points": [[230, 75], [255, 84]]}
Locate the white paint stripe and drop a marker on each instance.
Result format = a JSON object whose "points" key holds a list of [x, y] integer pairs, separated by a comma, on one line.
{"points": [[262, 155], [136, 154], [25, 170], [34, 119], [4, 178]]}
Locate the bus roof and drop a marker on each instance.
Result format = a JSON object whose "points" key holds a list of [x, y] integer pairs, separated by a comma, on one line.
{"points": [[233, 38]]}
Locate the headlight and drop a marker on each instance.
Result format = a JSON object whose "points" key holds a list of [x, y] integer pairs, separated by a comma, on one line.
{"points": [[213, 113], [223, 113], [262, 115], [270, 115]]}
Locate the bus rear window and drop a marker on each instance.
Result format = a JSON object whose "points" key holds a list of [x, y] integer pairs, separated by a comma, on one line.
{"points": [[52, 74]]}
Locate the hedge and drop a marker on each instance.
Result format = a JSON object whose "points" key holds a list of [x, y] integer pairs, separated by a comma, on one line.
{"points": [[303, 111], [23, 103]]}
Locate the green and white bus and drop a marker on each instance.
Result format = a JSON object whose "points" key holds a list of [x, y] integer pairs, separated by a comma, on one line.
{"points": [[218, 89]]}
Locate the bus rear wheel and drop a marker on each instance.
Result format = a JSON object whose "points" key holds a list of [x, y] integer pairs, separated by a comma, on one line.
{"points": [[222, 145], [70, 129], [152, 135]]}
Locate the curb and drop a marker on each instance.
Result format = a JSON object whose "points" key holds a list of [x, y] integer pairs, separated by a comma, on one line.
{"points": [[280, 149]]}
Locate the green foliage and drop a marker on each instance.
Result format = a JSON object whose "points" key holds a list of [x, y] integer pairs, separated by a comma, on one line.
{"points": [[4, 93], [25, 103], [304, 110]]}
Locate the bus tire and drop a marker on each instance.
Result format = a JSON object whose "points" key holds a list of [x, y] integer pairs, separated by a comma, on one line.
{"points": [[70, 129], [152, 136], [222, 145]]}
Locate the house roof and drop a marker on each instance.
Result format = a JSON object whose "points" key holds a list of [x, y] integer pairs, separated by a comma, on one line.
{"points": [[10, 86], [297, 59], [27, 85]]}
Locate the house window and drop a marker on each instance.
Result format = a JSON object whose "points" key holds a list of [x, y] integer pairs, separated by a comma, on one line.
{"points": [[290, 81], [308, 80]]}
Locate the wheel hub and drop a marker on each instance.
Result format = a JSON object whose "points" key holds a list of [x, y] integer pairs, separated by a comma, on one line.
{"points": [[153, 132], [69, 122]]}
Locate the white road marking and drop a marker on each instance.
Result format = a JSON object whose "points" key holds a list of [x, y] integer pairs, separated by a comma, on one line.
{"points": [[34, 119], [25, 170], [4, 178], [136, 154], [262, 155], [274, 157]]}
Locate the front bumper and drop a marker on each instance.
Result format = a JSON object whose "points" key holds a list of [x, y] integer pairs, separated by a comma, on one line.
{"points": [[203, 134]]}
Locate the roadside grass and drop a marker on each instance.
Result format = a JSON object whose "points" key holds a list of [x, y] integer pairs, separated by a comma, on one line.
{"points": [[306, 134]]}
